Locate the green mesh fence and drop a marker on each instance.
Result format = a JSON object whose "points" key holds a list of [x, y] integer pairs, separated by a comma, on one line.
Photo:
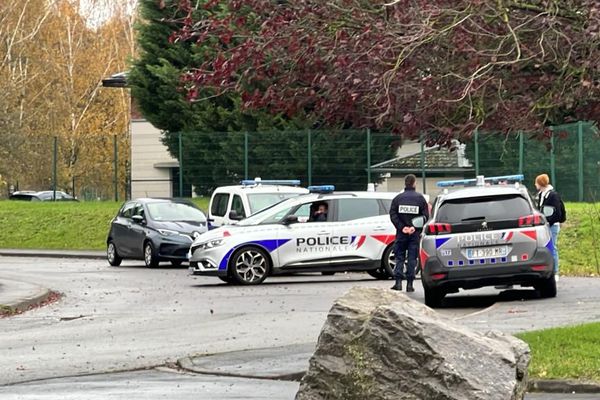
{"points": [[341, 158], [90, 167], [569, 154]]}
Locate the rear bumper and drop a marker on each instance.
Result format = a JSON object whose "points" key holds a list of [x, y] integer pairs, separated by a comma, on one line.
{"points": [[525, 273]]}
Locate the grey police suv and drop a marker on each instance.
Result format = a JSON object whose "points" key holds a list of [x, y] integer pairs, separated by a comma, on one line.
{"points": [[486, 234]]}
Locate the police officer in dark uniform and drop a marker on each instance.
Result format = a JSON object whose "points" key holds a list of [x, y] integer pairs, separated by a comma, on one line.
{"points": [[405, 207]]}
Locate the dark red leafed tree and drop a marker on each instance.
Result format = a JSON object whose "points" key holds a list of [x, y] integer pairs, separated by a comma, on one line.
{"points": [[445, 67]]}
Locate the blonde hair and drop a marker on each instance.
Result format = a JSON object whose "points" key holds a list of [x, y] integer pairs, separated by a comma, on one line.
{"points": [[542, 180]]}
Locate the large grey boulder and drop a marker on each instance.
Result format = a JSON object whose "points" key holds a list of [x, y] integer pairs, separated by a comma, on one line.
{"points": [[380, 344]]}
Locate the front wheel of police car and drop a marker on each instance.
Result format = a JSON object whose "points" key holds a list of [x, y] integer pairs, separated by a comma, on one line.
{"points": [[249, 266], [388, 263]]}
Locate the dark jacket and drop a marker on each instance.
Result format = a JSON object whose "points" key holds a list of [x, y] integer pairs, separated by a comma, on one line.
{"points": [[551, 198], [406, 206]]}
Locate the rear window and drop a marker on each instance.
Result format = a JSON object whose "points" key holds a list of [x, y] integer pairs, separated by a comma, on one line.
{"points": [[495, 208]]}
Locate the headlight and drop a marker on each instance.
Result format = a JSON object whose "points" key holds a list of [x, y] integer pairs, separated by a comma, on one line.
{"points": [[167, 232], [213, 243], [207, 245]]}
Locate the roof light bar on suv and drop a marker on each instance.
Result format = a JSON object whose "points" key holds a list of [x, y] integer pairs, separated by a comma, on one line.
{"points": [[259, 181], [482, 181]]}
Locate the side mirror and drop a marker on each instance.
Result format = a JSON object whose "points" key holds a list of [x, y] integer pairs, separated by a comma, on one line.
{"points": [[138, 219], [233, 215], [290, 219], [548, 211], [418, 222]]}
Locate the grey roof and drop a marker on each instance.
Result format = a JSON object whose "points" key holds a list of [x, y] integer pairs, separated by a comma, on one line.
{"points": [[437, 159]]}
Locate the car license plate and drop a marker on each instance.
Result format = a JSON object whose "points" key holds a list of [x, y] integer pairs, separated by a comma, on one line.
{"points": [[487, 252]]}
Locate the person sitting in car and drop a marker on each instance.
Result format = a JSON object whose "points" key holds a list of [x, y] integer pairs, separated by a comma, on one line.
{"points": [[319, 214]]}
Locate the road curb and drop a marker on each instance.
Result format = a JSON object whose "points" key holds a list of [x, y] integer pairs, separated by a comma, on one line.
{"points": [[187, 364], [562, 386], [91, 255], [284, 363], [24, 303]]}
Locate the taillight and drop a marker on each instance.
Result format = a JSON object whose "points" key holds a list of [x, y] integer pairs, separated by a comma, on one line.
{"points": [[531, 220], [423, 258], [434, 229], [439, 276]]}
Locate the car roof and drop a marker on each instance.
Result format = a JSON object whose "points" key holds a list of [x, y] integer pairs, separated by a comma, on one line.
{"points": [[344, 195], [260, 189], [484, 191]]}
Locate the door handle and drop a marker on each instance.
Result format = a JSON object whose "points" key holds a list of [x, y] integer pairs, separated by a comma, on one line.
{"points": [[323, 233], [379, 229]]}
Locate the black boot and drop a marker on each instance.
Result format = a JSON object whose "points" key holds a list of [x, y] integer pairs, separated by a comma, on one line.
{"points": [[409, 287], [397, 286]]}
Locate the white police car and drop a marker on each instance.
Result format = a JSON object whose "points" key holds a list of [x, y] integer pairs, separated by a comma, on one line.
{"points": [[229, 204], [354, 234]]}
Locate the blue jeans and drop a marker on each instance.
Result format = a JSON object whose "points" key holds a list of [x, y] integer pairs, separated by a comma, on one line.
{"points": [[406, 244], [555, 229]]}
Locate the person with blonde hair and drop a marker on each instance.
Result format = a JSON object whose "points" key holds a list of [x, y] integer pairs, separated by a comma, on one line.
{"points": [[547, 196]]}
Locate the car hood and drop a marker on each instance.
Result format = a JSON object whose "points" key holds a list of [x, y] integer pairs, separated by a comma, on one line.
{"points": [[218, 233], [187, 227]]}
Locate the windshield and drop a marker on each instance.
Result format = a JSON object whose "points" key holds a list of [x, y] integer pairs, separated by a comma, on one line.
{"points": [[168, 211], [483, 209], [270, 214], [259, 201]]}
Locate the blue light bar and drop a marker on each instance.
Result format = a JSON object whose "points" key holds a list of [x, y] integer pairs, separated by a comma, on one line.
{"points": [[321, 189], [289, 182], [490, 180]]}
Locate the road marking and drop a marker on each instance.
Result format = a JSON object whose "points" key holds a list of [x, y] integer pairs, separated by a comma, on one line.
{"points": [[477, 312]]}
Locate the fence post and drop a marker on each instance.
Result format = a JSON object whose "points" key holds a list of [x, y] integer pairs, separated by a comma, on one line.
{"points": [[54, 167], [245, 155], [580, 158], [368, 155], [521, 152], [552, 158], [309, 157], [180, 165], [115, 167], [423, 163], [476, 152]]}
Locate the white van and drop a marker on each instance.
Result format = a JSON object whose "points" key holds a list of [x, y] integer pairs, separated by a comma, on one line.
{"points": [[229, 204]]}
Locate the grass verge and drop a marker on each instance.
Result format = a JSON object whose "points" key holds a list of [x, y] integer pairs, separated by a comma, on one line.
{"points": [[84, 225], [60, 225], [565, 353]]}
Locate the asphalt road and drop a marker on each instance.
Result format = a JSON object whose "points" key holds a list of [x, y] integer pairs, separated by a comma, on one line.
{"points": [[119, 319]]}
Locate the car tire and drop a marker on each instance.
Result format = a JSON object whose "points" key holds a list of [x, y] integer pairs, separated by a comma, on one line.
{"points": [[150, 258], [433, 297], [379, 273], [388, 262], [547, 287], [176, 263], [328, 273], [112, 255], [249, 266]]}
